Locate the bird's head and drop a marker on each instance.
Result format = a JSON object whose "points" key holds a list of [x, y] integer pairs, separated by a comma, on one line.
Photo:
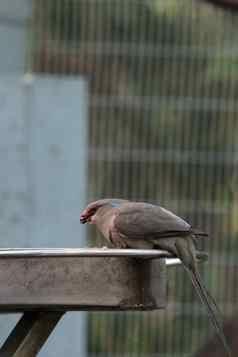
{"points": [[90, 211]]}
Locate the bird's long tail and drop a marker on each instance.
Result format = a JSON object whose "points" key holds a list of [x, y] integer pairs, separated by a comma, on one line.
{"points": [[185, 249], [211, 306]]}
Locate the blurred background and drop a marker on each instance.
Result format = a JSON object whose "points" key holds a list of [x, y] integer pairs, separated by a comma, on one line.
{"points": [[122, 98]]}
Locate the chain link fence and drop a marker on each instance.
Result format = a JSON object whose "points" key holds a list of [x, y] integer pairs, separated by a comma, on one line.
{"points": [[162, 128]]}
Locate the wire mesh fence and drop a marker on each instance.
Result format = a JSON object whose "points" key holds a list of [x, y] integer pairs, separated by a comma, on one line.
{"points": [[162, 128]]}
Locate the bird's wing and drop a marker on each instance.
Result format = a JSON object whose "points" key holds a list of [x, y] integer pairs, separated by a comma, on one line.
{"points": [[140, 220]]}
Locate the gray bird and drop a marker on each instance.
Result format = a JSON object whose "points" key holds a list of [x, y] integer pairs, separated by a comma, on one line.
{"points": [[128, 224]]}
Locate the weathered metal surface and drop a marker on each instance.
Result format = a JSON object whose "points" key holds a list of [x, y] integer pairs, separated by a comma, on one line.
{"points": [[77, 283], [42, 186], [95, 252], [82, 252], [15, 16], [29, 334]]}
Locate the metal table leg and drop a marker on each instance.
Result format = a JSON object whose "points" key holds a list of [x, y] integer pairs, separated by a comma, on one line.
{"points": [[30, 334]]}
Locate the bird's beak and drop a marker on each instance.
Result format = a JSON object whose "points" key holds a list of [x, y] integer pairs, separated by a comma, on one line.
{"points": [[83, 219]]}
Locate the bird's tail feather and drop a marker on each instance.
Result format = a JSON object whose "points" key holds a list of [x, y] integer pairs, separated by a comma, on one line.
{"points": [[210, 304], [212, 300], [185, 249]]}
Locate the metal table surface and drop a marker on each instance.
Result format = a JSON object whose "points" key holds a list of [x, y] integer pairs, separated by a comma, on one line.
{"points": [[94, 252], [45, 283]]}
